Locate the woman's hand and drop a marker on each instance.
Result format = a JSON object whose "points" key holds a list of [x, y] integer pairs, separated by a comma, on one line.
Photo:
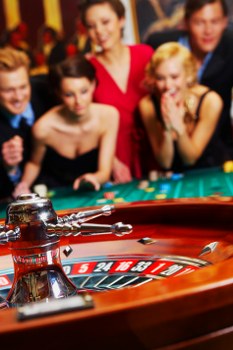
{"points": [[21, 188], [121, 173], [87, 180], [172, 114]]}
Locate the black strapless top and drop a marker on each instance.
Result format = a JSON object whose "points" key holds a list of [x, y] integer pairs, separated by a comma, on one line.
{"points": [[215, 153], [60, 171]]}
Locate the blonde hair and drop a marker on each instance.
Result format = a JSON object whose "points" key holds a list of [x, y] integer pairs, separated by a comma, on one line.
{"points": [[167, 51], [12, 59]]}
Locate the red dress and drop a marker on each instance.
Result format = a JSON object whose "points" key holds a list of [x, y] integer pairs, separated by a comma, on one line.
{"points": [[108, 92]]}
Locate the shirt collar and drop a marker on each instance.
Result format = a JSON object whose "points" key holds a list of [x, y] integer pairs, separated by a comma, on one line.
{"points": [[28, 115], [184, 40]]}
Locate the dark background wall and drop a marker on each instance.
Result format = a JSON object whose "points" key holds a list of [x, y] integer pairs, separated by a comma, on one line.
{"points": [[167, 14], [32, 13]]}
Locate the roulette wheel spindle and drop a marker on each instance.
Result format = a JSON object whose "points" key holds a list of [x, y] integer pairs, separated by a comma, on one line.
{"points": [[33, 230]]}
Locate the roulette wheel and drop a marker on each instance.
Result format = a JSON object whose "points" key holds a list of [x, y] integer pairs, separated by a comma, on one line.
{"points": [[166, 283]]}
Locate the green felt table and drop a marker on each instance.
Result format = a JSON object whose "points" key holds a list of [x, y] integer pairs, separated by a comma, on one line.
{"points": [[195, 184]]}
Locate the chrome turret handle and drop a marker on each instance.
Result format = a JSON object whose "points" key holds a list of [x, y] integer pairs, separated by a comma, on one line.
{"points": [[87, 215], [33, 230], [8, 235], [75, 229], [33, 211]]}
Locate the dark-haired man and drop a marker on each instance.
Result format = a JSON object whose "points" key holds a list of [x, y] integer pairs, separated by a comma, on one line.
{"points": [[212, 45]]}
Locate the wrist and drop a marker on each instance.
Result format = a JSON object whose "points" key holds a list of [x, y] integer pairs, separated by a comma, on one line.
{"points": [[181, 131], [167, 127]]}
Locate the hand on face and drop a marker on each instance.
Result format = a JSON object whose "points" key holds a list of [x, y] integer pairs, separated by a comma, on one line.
{"points": [[172, 113], [12, 151]]}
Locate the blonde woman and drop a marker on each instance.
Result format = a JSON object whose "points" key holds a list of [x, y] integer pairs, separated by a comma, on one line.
{"points": [[180, 115]]}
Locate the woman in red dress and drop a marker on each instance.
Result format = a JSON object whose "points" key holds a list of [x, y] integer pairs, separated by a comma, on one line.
{"points": [[120, 73]]}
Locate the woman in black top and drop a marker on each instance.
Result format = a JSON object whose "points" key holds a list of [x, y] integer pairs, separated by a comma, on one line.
{"points": [[180, 115], [75, 140]]}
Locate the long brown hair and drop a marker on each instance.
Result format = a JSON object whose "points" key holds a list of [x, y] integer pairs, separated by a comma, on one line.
{"points": [[72, 67]]}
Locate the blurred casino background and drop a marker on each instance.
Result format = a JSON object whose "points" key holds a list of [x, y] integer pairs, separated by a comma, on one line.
{"points": [[58, 14], [37, 26]]}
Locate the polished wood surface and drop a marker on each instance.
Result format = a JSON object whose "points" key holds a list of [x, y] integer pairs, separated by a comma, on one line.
{"points": [[192, 311]]}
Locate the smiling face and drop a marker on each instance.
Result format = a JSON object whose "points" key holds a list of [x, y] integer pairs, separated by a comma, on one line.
{"points": [[206, 27], [170, 77], [15, 90], [104, 26], [77, 94]]}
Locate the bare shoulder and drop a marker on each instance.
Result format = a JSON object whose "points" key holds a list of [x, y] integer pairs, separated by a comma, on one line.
{"points": [[213, 95], [146, 100], [106, 113], [43, 125], [210, 96], [209, 102], [213, 100], [146, 107]]}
